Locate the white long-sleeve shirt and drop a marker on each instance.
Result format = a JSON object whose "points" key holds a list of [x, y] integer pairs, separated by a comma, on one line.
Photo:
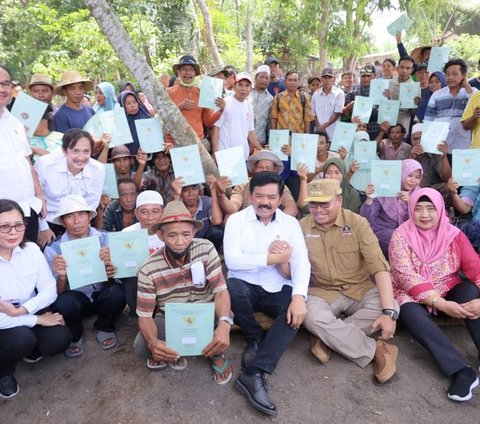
{"points": [[246, 243], [26, 271]]}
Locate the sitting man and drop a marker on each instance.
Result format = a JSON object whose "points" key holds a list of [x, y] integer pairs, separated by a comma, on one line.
{"points": [[241, 198], [167, 277], [344, 253], [148, 211], [123, 161], [268, 271], [105, 300]]}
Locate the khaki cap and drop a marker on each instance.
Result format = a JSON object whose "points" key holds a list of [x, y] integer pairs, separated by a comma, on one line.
{"points": [[323, 190]]}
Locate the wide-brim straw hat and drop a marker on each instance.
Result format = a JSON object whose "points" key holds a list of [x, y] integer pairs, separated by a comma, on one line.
{"points": [[40, 79], [264, 155], [176, 211], [416, 53], [72, 77], [72, 203]]}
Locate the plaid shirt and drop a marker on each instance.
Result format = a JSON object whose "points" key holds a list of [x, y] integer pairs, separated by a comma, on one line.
{"points": [[261, 102], [153, 180]]}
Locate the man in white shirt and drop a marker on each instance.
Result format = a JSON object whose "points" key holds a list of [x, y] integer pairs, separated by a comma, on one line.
{"points": [[18, 180], [327, 103], [268, 271], [236, 126]]}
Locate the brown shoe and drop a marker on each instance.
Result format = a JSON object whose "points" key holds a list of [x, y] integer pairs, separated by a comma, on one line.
{"points": [[385, 361], [319, 349]]}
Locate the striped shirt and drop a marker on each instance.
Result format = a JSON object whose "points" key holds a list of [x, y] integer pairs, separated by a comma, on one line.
{"points": [[160, 281], [261, 102], [444, 107]]}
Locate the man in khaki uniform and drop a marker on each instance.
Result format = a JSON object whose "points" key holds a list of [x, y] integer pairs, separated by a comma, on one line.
{"points": [[344, 253]]}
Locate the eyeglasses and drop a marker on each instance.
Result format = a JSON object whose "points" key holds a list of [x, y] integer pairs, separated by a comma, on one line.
{"points": [[6, 84], [19, 227], [321, 205]]}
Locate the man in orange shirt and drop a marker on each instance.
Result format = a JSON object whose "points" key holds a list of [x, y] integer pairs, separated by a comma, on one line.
{"points": [[186, 95]]}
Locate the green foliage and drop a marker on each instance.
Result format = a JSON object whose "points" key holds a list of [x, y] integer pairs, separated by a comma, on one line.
{"points": [[467, 47]]}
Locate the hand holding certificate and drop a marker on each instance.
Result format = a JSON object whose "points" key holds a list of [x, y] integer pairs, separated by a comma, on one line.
{"points": [[377, 87], [408, 92], [399, 24], [187, 164], [388, 111], [28, 111], [438, 57], [466, 166], [386, 176], [364, 152], [211, 88], [128, 251], [150, 134], [304, 150], [343, 136], [84, 265], [189, 327], [231, 164], [433, 134], [113, 122], [276, 140], [362, 108]]}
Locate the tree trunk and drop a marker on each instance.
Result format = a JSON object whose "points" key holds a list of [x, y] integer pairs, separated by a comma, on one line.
{"points": [[126, 50], [322, 33], [209, 39], [249, 37]]}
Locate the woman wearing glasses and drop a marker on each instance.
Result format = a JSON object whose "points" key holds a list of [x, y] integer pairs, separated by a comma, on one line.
{"points": [[73, 172], [27, 287]]}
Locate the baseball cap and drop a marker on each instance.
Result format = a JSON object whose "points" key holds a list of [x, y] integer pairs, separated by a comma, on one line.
{"points": [[243, 76]]}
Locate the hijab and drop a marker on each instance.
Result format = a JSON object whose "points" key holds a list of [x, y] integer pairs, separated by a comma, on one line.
{"points": [[141, 114], [431, 244], [108, 91], [441, 76], [394, 207], [351, 198]]}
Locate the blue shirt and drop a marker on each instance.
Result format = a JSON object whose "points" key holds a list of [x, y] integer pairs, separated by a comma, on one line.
{"points": [[67, 118]]}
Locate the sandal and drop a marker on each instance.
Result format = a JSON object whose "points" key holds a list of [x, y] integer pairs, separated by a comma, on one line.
{"points": [[154, 365], [107, 340], [75, 349], [179, 365], [218, 372]]}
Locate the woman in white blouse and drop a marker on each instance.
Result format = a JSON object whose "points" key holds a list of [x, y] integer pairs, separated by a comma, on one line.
{"points": [[27, 287], [71, 172]]}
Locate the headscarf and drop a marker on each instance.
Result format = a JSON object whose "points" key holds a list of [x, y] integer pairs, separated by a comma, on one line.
{"points": [[350, 196], [108, 91], [441, 76], [394, 207], [141, 114], [431, 244], [122, 87]]}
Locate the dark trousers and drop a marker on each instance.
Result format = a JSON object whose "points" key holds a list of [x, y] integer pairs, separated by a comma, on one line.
{"points": [[130, 284], [31, 232], [108, 303], [18, 342], [215, 235], [249, 298], [293, 183], [425, 331]]}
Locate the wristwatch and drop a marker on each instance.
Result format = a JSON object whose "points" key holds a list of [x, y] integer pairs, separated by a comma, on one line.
{"points": [[227, 319], [392, 313]]}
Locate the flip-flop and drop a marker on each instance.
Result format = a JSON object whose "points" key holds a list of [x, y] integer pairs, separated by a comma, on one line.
{"points": [[180, 364], [153, 365], [104, 336], [75, 349], [221, 370]]}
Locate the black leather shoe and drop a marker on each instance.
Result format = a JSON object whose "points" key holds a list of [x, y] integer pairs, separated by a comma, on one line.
{"points": [[253, 387], [249, 354]]}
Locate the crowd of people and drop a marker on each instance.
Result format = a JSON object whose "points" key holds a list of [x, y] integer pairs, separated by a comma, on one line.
{"points": [[317, 249]]}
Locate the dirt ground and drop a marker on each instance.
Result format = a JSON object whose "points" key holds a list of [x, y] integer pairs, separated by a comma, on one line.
{"points": [[116, 387]]}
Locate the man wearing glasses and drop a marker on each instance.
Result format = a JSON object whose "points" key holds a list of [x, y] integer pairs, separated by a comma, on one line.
{"points": [[344, 253]]}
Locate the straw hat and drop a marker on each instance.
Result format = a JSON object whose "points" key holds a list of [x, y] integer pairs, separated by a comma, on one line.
{"points": [[176, 211], [72, 203], [264, 155], [323, 190], [72, 77], [416, 53], [40, 79]]}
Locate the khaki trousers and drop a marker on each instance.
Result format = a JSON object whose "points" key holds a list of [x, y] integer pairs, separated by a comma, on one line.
{"points": [[348, 336]]}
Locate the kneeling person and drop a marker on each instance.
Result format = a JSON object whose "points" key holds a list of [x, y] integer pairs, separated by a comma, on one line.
{"points": [[344, 253], [167, 277]]}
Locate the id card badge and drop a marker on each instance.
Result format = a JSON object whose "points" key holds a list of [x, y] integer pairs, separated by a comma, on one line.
{"points": [[198, 274]]}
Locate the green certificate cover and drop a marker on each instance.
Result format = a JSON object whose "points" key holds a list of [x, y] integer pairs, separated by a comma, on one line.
{"points": [[433, 134], [304, 150], [211, 88], [187, 164], [438, 57], [377, 87], [110, 187], [28, 111], [231, 164], [150, 134], [386, 176], [466, 166], [407, 94], [399, 24], [189, 327], [128, 251], [388, 111], [362, 108], [364, 152], [84, 265], [276, 140], [343, 136]]}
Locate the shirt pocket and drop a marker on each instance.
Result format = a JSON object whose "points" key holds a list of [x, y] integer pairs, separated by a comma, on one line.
{"points": [[346, 255]]}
